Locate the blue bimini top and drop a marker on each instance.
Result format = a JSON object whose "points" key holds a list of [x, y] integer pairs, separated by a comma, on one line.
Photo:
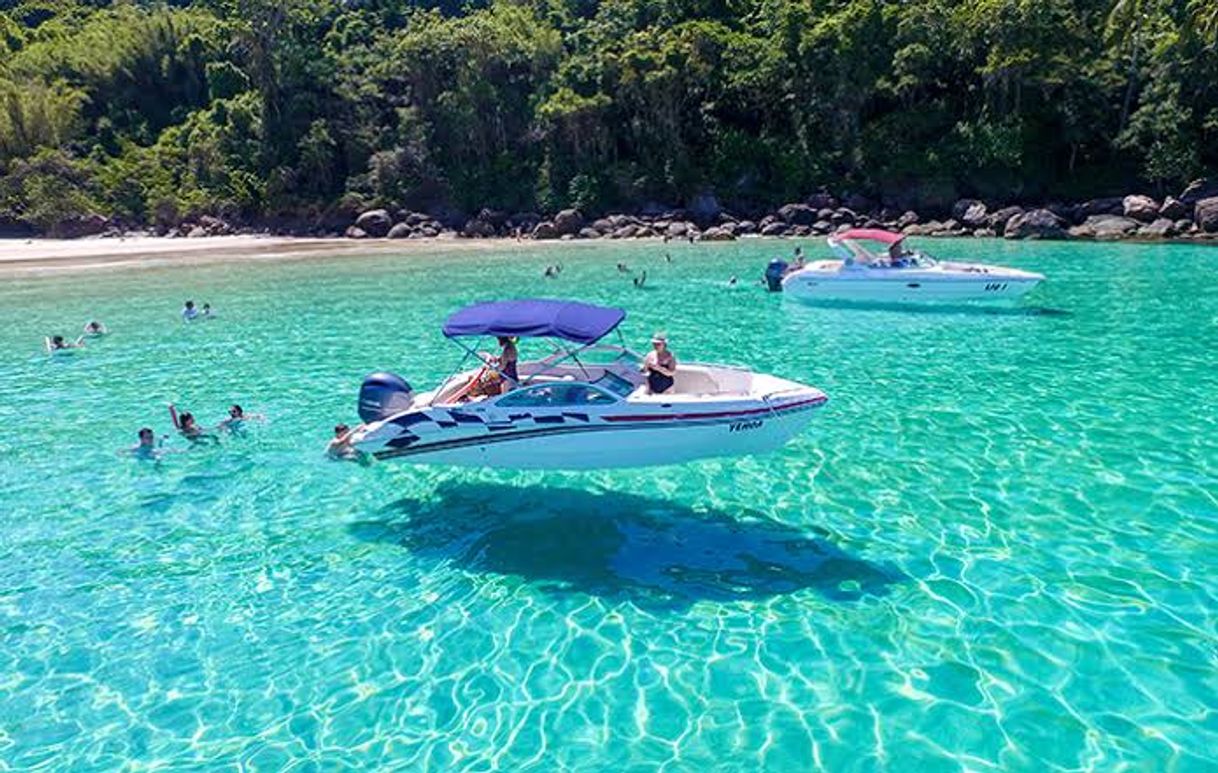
{"points": [[580, 323]]}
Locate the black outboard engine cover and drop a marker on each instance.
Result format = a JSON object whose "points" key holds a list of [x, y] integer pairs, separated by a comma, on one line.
{"points": [[773, 274], [383, 394]]}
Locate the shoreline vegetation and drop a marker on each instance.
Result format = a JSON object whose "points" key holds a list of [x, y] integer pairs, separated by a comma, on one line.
{"points": [[562, 119]]}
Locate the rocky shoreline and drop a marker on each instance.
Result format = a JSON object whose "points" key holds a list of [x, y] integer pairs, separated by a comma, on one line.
{"points": [[1191, 216]]}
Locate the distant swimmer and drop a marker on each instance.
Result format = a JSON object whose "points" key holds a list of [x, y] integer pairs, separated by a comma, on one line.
{"points": [[94, 329], [189, 428], [640, 280], [731, 282], [237, 418], [149, 446], [207, 312], [623, 268], [667, 257], [58, 344], [550, 272], [340, 446], [189, 312]]}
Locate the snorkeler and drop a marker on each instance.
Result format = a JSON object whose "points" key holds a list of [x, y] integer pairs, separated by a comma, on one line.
{"points": [[189, 428]]}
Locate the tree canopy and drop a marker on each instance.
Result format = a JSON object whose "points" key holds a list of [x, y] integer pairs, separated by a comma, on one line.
{"points": [[152, 112]]}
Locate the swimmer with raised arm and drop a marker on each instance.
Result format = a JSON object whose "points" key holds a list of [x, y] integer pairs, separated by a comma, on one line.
{"points": [[189, 428], [57, 343]]}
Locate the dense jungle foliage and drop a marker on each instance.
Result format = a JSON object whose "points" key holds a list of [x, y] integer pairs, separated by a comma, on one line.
{"points": [[151, 112]]}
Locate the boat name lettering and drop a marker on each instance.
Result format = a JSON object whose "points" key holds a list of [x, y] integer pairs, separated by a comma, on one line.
{"points": [[996, 286], [742, 426]]}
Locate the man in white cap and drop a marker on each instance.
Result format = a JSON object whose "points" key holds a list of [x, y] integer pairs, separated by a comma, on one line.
{"points": [[659, 365]]}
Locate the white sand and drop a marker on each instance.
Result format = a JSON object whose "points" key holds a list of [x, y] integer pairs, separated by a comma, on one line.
{"points": [[57, 255]]}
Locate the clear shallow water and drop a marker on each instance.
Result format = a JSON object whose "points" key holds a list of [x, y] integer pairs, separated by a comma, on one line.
{"points": [[994, 548]]}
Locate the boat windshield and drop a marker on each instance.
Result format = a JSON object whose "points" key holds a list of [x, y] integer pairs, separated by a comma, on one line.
{"points": [[615, 384]]}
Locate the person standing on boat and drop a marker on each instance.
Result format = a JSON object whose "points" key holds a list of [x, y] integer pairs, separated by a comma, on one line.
{"points": [[508, 358], [660, 366]]}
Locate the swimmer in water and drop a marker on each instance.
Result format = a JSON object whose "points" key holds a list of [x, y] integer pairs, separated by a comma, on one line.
{"points": [[237, 418], [207, 312], [94, 329], [623, 268], [640, 280], [57, 344], [190, 429], [731, 282], [340, 446], [667, 258], [149, 446], [189, 312]]}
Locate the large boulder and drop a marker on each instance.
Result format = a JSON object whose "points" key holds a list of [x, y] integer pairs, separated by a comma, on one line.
{"points": [[797, 214], [704, 209], [625, 232], [78, 226], [568, 221], [997, 221], [355, 232], [374, 222], [746, 227], [589, 233], [971, 212], [1197, 190], [907, 219], [1105, 227], [1205, 214], [1161, 228], [821, 200], [1106, 206], [774, 229], [678, 230], [1174, 209], [477, 228], [1036, 224], [545, 230], [717, 234], [400, 231], [1141, 208]]}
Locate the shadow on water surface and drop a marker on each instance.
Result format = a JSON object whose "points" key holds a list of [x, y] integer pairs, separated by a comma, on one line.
{"points": [[614, 544]]}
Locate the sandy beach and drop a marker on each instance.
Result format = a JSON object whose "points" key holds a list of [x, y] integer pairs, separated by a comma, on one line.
{"points": [[41, 256]]}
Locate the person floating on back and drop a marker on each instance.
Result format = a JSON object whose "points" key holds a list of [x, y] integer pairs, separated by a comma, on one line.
{"points": [[189, 312], [57, 344], [189, 428], [94, 329]]}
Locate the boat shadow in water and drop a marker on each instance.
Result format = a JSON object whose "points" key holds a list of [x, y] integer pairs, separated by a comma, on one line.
{"points": [[611, 544]]}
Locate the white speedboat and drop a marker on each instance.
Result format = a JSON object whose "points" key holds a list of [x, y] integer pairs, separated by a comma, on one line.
{"points": [[897, 275], [584, 407]]}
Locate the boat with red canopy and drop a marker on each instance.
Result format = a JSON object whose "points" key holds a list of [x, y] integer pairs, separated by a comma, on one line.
{"points": [[873, 265], [585, 406]]}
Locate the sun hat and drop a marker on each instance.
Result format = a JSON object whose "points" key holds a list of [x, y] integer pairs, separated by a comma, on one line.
{"points": [[659, 337]]}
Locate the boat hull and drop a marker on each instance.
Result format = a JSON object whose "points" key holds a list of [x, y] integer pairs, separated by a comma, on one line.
{"points": [[946, 282], [667, 434]]}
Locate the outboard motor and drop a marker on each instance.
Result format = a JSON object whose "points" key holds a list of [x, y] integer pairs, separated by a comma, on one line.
{"points": [[383, 394], [774, 272]]}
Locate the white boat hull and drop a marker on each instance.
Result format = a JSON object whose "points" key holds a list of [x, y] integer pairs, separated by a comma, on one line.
{"points": [[972, 284], [653, 430]]}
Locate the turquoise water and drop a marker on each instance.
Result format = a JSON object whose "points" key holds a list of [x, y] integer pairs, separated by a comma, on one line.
{"points": [[993, 548]]}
